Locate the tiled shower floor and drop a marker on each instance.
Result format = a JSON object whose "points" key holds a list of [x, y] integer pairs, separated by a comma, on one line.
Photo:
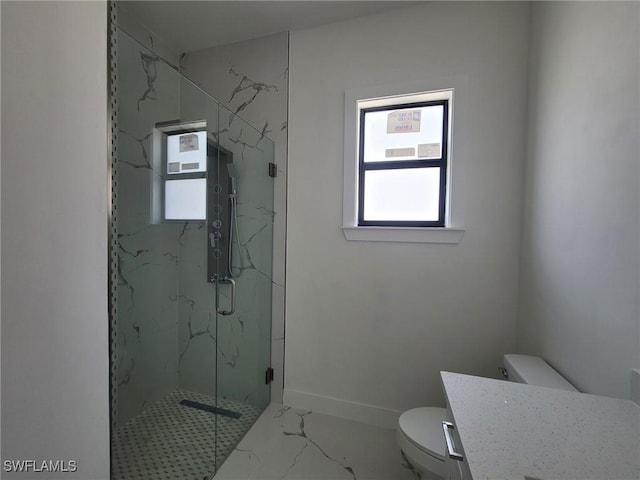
{"points": [[172, 441]]}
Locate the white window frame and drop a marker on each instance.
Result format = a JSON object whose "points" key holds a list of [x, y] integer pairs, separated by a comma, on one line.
{"points": [[454, 89]]}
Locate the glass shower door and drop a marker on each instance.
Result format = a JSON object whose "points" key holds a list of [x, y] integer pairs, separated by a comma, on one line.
{"points": [[238, 237], [244, 336], [187, 381]]}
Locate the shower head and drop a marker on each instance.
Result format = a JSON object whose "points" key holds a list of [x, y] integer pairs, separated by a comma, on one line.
{"points": [[231, 169]]}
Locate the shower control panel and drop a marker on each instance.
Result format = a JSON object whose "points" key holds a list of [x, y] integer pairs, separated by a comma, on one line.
{"points": [[220, 214]]}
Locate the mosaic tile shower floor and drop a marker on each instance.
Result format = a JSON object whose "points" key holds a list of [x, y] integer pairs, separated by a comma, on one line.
{"points": [[172, 441]]}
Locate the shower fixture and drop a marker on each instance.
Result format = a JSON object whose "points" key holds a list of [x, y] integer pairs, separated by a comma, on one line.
{"points": [[233, 223]]}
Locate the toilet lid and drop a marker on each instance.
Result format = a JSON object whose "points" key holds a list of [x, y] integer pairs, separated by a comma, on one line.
{"points": [[423, 427]]}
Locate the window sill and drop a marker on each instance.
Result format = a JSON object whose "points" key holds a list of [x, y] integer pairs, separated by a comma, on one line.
{"points": [[403, 234]]}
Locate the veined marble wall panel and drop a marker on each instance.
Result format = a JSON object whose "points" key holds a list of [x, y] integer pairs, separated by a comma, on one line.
{"points": [[196, 306], [196, 297], [147, 306], [131, 24], [242, 339], [251, 79]]}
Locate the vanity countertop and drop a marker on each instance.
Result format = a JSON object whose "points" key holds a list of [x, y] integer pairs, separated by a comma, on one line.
{"points": [[511, 431]]}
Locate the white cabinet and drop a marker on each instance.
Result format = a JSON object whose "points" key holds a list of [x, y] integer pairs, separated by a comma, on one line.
{"points": [[456, 467]]}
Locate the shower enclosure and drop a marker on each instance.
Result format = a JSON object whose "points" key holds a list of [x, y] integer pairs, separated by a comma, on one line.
{"points": [[191, 228]]}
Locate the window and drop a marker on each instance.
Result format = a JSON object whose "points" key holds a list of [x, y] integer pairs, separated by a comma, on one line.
{"points": [[402, 177], [181, 160], [401, 182], [185, 187]]}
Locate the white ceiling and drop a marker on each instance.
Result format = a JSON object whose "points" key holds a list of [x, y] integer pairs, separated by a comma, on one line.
{"points": [[193, 25]]}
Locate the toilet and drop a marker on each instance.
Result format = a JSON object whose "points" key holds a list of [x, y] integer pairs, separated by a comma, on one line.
{"points": [[420, 435]]}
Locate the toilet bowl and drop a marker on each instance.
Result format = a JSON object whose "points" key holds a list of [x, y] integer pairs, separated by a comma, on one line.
{"points": [[418, 440], [420, 435]]}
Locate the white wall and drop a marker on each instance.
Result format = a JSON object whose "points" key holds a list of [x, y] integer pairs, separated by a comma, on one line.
{"points": [[54, 236], [579, 300], [374, 323]]}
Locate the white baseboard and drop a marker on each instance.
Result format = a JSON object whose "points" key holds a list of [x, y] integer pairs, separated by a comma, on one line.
{"points": [[337, 407]]}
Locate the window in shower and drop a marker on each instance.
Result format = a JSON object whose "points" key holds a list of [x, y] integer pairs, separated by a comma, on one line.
{"points": [[180, 153]]}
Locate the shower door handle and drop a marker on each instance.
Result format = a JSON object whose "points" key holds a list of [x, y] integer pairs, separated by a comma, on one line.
{"points": [[222, 311]]}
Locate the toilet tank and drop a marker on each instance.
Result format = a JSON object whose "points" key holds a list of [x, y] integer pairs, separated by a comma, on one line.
{"points": [[534, 371]]}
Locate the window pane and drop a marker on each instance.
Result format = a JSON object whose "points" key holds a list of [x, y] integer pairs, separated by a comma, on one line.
{"points": [[187, 153], [185, 199], [407, 194], [404, 134]]}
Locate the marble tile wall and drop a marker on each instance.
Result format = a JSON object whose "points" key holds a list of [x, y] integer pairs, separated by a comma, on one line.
{"points": [[251, 79], [134, 27], [244, 339], [241, 340], [147, 304]]}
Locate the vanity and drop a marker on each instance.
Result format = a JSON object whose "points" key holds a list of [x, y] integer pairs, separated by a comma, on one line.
{"points": [[507, 430]]}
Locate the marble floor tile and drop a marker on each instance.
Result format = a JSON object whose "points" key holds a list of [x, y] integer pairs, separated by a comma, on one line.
{"points": [[292, 444]]}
